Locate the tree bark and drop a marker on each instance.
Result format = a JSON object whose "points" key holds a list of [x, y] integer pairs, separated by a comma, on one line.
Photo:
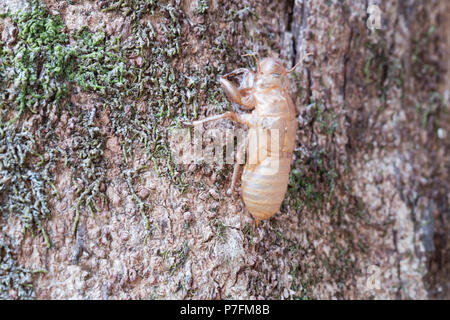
{"points": [[366, 215]]}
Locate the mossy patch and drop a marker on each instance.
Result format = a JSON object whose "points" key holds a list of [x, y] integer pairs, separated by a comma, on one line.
{"points": [[23, 184], [15, 281], [35, 64], [87, 165]]}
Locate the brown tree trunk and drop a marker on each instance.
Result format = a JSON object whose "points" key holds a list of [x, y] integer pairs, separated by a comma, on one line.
{"points": [[366, 214]]}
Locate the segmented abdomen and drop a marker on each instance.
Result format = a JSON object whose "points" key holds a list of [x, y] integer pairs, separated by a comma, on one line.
{"points": [[264, 186]]}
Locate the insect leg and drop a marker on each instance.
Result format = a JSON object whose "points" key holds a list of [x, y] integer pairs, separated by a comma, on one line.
{"points": [[254, 55], [239, 157], [235, 73], [301, 61], [231, 91], [234, 179], [227, 115]]}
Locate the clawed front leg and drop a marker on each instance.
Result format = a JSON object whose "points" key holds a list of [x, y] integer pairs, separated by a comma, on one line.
{"points": [[241, 94], [230, 90]]}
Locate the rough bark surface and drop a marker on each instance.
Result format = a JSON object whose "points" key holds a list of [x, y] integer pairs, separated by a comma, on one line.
{"points": [[367, 210]]}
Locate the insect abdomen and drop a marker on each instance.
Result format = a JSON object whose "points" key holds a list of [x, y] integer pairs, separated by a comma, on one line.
{"points": [[264, 186]]}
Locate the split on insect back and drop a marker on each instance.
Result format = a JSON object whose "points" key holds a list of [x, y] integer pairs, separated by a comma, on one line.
{"points": [[268, 142]]}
